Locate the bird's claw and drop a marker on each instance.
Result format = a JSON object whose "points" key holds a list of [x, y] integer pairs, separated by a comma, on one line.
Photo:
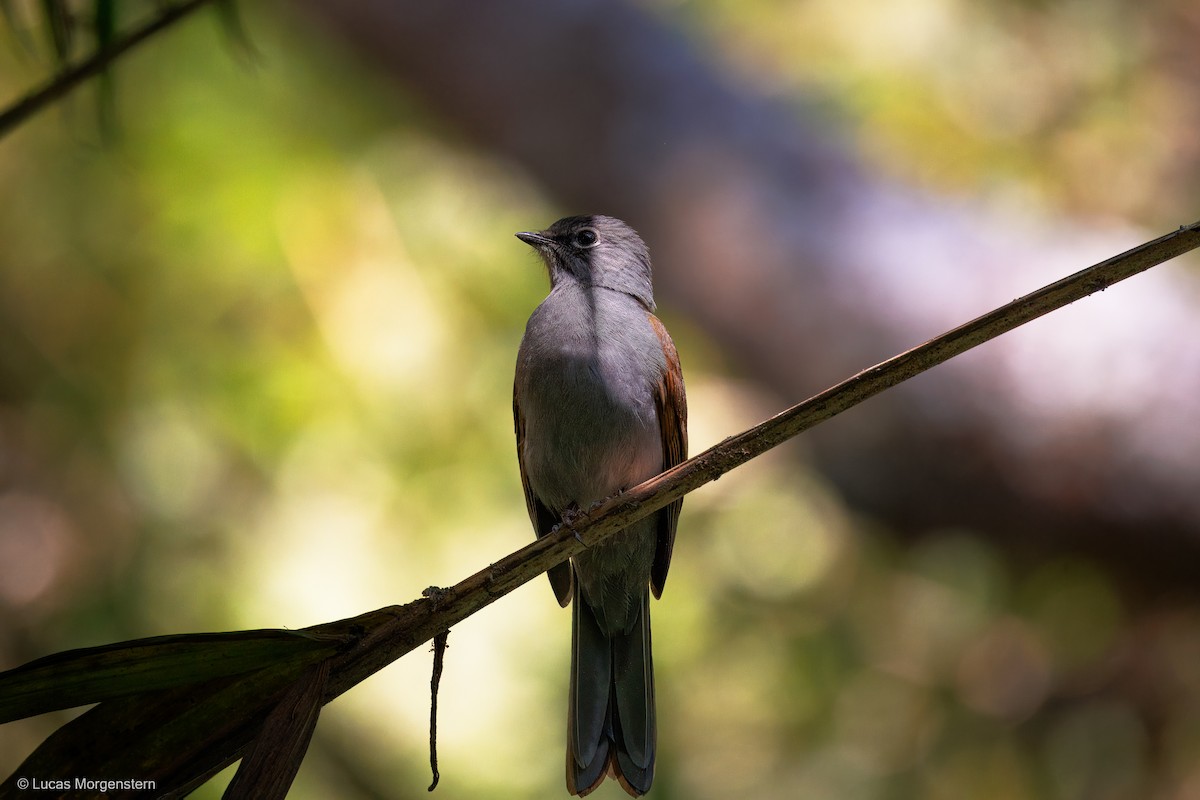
{"points": [[571, 515]]}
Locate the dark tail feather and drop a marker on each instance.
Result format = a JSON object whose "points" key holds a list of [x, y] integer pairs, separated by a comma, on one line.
{"points": [[610, 720], [588, 720]]}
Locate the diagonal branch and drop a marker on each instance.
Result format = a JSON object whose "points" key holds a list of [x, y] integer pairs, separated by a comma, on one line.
{"points": [[450, 606], [72, 76]]}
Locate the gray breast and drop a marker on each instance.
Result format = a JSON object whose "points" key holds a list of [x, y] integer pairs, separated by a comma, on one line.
{"points": [[589, 364]]}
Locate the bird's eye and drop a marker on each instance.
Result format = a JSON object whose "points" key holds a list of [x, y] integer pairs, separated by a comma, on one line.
{"points": [[586, 238]]}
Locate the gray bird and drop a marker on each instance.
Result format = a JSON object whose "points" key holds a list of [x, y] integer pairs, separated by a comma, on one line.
{"points": [[600, 407]]}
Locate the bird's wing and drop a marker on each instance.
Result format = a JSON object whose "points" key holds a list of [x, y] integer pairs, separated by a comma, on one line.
{"points": [[670, 401], [543, 518]]}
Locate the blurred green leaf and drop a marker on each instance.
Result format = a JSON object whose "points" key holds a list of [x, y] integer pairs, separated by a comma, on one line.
{"points": [[104, 24], [231, 20], [16, 29], [57, 18]]}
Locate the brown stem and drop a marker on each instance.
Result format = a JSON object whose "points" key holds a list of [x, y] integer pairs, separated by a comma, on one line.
{"points": [[395, 631]]}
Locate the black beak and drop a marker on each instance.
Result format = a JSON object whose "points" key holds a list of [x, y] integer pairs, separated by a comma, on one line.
{"points": [[535, 240]]}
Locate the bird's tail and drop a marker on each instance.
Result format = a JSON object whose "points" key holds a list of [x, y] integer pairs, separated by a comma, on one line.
{"points": [[610, 722]]}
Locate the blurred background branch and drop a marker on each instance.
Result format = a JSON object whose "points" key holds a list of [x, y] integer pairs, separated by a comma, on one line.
{"points": [[108, 49]]}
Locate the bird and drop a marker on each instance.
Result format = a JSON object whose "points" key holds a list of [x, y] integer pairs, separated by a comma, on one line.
{"points": [[599, 407]]}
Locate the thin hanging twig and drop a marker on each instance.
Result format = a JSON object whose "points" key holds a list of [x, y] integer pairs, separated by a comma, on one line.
{"points": [[439, 651]]}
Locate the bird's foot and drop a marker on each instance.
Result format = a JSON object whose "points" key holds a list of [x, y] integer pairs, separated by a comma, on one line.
{"points": [[570, 516]]}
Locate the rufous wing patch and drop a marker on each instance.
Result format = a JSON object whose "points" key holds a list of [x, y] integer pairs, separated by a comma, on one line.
{"points": [[670, 401]]}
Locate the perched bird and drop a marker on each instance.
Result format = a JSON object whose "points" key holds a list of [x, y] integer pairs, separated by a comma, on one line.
{"points": [[600, 407]]}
